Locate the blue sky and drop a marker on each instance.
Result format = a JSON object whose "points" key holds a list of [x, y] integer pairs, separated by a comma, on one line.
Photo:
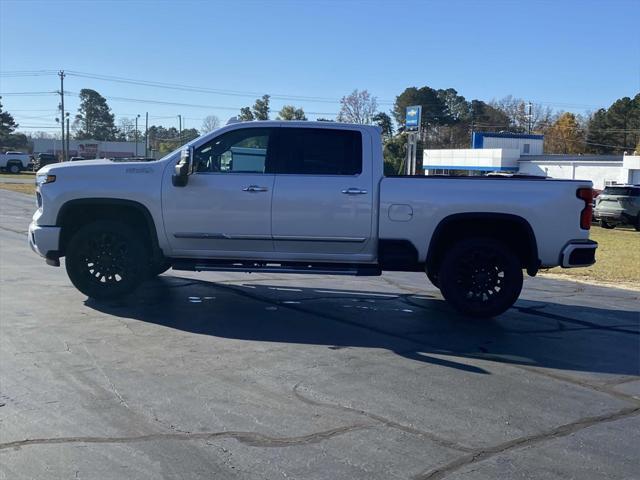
{"points": [[571, 55]]}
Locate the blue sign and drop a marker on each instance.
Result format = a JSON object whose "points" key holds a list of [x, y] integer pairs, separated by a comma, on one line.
{"points": [[412, 118]]}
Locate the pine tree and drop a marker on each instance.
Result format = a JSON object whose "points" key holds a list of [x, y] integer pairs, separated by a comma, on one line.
{"points": [[94, 119]]}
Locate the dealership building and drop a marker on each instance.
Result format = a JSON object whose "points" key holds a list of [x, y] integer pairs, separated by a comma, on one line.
{"points": [[89, 148], [523, 154]]}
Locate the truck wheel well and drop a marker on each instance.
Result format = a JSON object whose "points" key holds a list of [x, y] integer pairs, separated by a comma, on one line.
{"points": [[513, 230], [76, 213]]}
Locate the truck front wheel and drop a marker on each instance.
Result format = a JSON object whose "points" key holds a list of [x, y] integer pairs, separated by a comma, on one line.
{"points": [[480, 277], [106, 259]]}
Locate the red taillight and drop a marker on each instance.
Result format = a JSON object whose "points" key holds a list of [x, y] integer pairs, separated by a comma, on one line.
{"points": [[586, 214]]}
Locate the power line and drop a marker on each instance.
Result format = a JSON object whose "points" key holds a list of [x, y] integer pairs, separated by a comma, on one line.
{"points": [[238, 93], [27, 73], [190, 105], [26, 94], [191, 88]]}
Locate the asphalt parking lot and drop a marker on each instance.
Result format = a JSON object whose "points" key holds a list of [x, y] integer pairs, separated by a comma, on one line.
{"points": [[238, 376]]}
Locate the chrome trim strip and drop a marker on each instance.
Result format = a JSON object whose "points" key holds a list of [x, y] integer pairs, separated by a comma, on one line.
{"points": [[294, 238], [219, 236], [279, 238]]}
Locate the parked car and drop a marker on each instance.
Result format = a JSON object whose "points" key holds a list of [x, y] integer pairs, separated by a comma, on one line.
{"points": [[76, 159], [305, 197], [14, 162], [618, 205], [44, 159]]}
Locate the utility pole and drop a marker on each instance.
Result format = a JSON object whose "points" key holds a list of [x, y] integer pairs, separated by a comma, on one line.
{"points": [[67, 133], [530, 116], [146, 135], [62, 116], [136, 134], [180, 128]]}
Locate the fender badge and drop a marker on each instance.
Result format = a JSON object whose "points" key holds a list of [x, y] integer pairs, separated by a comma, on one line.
{"points": [[139, 170]]}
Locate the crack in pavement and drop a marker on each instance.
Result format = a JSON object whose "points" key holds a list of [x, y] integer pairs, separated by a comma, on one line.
{"points": [[112, 386], [562, 318], [606, 388], [252, 439], [21, 232], [557, 432], [384, 421]]}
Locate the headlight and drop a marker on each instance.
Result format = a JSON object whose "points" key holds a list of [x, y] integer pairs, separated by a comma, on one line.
{"points": [[43, 178]]}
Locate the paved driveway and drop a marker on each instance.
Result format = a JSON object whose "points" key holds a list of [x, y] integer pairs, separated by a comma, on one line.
{"points": [[230, 376]]}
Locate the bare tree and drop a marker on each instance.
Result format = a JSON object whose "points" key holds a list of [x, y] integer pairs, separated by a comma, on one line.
{"points": [[518, 112], [41, 134], [358, 107], [210, 123], [126, 126]]}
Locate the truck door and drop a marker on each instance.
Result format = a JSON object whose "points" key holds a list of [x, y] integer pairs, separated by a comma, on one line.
{"points": [[225, 209], [323, 195]]}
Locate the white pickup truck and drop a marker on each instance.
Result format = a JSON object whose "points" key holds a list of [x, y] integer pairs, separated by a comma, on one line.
{"points": [[14, 162], [305, 197]]}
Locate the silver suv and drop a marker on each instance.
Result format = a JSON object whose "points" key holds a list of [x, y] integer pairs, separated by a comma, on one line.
{"points": [[618, 205]]}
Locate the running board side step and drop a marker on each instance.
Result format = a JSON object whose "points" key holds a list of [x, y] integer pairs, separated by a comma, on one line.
{"points": [[200, 265]]}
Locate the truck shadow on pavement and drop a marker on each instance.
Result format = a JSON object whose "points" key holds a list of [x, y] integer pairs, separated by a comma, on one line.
{"points": [[420, 327]]}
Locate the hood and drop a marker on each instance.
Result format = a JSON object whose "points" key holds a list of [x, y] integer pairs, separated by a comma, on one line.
{"points": [[82, 163]]}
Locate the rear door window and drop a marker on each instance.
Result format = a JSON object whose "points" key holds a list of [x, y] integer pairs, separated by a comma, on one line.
{"points": [[319, 151]]}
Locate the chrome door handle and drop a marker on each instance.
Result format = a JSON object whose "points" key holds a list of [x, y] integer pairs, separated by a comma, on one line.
{"points": [[354, 191], [255, 188]]}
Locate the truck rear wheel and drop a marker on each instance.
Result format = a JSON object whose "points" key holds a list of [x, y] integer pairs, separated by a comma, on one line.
{"points": [[14, 168], [158, 267], [106, 259], [480, 277]]}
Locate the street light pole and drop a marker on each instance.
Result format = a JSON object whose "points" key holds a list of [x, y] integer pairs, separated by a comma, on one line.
{"points": [[61, 74], [146, 135], [67, 115], [180, 128], [136, 134]]}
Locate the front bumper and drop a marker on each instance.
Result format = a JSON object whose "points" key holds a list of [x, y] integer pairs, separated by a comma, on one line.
{"points": [[45, 241], [578, 253]]}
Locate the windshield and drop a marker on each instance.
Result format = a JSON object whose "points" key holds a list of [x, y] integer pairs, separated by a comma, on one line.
{"points": [[622, 191]]}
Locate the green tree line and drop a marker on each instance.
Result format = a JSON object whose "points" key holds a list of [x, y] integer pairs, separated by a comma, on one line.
{"points": [[448, 119]]}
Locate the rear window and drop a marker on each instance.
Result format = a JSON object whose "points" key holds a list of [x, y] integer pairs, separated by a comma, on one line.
{"points": [[320, 151], [622, 191]]}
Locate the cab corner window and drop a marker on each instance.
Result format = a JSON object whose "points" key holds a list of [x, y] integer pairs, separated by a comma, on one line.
{"points": [[320, 151], [240, 151]]}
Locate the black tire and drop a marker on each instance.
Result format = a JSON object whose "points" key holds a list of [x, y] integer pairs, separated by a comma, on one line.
{"points": [[433, 278], [607, 225], [637, 225], [14, 168], [480, 277], [158, 267], [106, 259]]}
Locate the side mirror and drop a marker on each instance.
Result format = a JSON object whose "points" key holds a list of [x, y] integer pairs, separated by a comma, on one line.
{"points": [[183, 168]]}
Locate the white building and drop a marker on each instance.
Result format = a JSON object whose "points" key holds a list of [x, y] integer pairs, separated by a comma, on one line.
{"points": [[89, 148], [600, 169], [521, 153]]}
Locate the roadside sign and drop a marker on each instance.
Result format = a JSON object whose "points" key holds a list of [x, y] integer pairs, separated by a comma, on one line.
{"points": [[412, 117]]}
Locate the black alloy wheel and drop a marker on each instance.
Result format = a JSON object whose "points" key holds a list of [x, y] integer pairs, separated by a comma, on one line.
{"points": [[106, 259], [481, 277]]}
